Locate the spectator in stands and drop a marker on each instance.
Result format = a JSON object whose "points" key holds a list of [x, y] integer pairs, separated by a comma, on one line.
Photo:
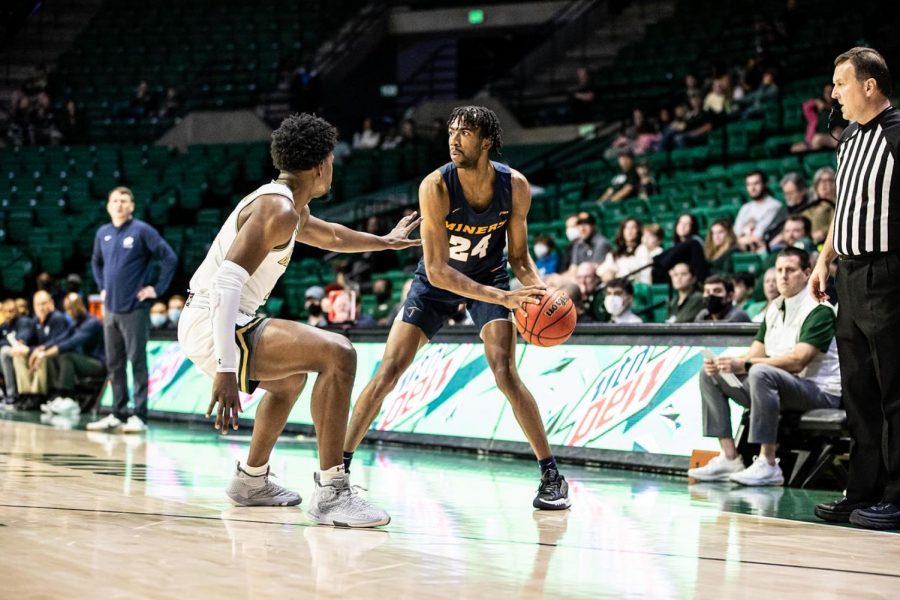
{"points": [[687, 247], [158, 317], [628, 134], [72, 124], [718, 101], [819, 127], [821, 207], [121, 261], [546, 256], [590, 246], [744, 285], [313, 306], [588, 281], [142, 103], [652, 240], [22, 131], [50, 326], [22, 307], [367, 138], [718, 302], [677, 126], [45, 281], [362, 318], [756, 102], [720, 247], [170, 104], [796, 233], [687, 301], [584, 314], [16, 331], [628, 255], [770, 291], [625, 184], [391, 138], [581, 99], [382, 289], [174, 308], [647, 185], [618, 301], [78, 354], [792, 364], [698, 124], [44, 120], [409, 136], [755, 217], [73, 283], [796, 196], [692, 86], [341, 150]]}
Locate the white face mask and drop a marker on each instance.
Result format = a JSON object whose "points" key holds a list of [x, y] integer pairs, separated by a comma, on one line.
{"points": [[157, 320], [541, 250], [573, 233], [614, 305], [174, 315]]}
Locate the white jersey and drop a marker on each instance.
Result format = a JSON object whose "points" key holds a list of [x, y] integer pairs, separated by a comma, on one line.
{"points": [[263, 279]]}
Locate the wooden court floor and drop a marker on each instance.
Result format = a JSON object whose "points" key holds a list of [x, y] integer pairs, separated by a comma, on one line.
{"points": [[87, 515]]}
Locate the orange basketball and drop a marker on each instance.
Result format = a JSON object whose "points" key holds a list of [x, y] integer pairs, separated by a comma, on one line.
{"points": [[549, 323]]}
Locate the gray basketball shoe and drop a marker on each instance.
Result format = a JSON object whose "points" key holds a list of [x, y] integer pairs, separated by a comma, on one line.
{"points": [[247, 490], [340, 505]]}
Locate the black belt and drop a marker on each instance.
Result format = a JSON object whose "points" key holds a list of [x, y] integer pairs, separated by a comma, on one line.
{"points": [[866, 258]]}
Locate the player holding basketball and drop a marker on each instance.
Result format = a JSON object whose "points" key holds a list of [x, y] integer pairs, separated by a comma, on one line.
{"points": [[471, 208], [220, 332]]}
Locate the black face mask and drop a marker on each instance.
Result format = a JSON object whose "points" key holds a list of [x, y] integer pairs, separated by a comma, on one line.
{"points": [[716, 305], [382, 297], [315, 310]]}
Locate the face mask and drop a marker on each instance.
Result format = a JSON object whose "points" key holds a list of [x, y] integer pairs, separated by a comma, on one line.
{"points": [[382, 297], [614, 305], [541, 250], [573, 233], [157, 320], [315, 310], [716, 305], [174, 314]]}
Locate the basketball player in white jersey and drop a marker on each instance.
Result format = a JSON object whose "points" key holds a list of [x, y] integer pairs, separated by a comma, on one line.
{"points": [[220, 332]]}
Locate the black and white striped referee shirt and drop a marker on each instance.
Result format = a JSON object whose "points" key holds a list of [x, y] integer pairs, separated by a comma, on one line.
{"points": [[867, 215]]}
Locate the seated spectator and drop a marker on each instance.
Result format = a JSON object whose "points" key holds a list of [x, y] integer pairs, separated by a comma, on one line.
{"points": [[770, 291], [821, 207], [820, 127], [797, 198], [50, 327], [585, 315], [652, 239], [581, 99], [792, 364], [341, 150], [718, 100], [361, 317], [618, 300], [628, 135], [698, 124], [686, 228], [755, 217], [391, 138], [22, 307], [590, 246], [175, 306], [72, 124], [382, 289], [718, 302], [687, 247], [625, 184], [546, 256], [588, 282], [755, 103], [744, 285], [78, 354], [676, 126], [409, 136], [687, 301], [158, 316], [142, 103], [720, 247], [313, 307], [796, 233], [170, 104], [647, 185], [628, 255], [573, 234], [16, 331], [367, 138]]}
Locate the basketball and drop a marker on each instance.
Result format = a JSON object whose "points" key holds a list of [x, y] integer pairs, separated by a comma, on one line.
{"points": [[549, 323]]}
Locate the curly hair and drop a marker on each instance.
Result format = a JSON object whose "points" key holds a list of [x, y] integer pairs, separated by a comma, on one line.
{"points": [[301, 142], [481, 118]]}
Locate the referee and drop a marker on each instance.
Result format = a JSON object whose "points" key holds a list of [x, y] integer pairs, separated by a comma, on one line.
{"points": [[865, 238]]}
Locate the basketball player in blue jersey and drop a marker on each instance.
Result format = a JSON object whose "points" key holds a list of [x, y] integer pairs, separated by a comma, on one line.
{"points": [[471, 208]]}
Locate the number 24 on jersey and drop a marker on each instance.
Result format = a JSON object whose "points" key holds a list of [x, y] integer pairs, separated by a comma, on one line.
{"points": [[459, 247]]}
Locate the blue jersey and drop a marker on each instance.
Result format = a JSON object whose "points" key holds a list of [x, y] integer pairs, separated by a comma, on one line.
{"points": [[477, 239]]}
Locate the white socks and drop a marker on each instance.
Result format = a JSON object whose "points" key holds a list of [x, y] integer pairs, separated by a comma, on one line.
{"points": [[325, 477], [254, 471]]}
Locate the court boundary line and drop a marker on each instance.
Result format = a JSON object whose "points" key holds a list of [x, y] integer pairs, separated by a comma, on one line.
{"points": [[469, 538]]}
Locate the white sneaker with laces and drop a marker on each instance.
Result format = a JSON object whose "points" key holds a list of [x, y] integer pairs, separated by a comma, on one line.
{"points": [[105, 424], [65, 406], [718, 469], [760, 473], [339, 504], [134, 424]]}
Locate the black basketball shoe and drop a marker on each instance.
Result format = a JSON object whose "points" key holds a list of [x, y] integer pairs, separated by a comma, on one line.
{"points": [[553, 492]]}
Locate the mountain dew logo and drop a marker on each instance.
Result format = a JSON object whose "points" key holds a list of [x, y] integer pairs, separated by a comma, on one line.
{"points": [[422, 383], [623, 389]]}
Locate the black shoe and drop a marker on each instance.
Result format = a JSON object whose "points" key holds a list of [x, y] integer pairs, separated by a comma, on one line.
{"points": [[839, 510], [883, 515], [553, 492]]}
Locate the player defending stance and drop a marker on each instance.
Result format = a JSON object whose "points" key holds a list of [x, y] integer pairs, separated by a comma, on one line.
{"points": [[471, 207], [220, 332]]}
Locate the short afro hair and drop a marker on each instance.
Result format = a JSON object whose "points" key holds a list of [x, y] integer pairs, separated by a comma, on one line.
{"points": [[481, 118], [301, 142]]}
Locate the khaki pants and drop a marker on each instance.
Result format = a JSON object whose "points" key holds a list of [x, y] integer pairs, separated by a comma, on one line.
{"points": [[28, 381]]}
